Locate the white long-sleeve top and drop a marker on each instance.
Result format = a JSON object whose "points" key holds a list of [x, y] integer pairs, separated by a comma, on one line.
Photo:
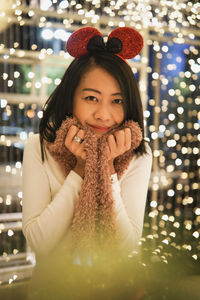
{"points": [[49, 200]]}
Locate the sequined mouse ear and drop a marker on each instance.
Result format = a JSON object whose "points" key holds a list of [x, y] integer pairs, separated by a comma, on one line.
{"points": [[78, 41], [132, 41]]}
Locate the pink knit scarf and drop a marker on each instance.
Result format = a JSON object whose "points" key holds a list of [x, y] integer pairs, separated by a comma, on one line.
{"points": [[94, 217]]}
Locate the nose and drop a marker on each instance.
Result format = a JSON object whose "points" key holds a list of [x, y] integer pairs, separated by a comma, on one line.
{"points": [[102, 112]]}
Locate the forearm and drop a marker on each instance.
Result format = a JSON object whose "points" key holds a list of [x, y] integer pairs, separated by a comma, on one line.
{"points": [[44, 226], [130, 200], [129, 232]]}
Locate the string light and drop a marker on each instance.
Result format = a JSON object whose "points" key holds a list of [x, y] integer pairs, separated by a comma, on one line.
{"points": [[177, 164]]}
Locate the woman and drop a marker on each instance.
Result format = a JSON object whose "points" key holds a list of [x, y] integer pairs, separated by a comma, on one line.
{"points": [[88, 169]]}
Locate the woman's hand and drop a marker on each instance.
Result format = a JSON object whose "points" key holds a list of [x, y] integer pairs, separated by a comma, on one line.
{"points": [[76, 148], [118, 143]]}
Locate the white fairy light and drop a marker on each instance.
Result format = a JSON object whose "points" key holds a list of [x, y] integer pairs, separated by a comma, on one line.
{"points": [[47, 34]]}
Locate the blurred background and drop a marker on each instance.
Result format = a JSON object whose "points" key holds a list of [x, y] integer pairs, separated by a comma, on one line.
{"points": [[33, 34]]}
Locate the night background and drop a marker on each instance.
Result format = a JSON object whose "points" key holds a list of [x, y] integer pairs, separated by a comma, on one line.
{"points": [[33, 58]]}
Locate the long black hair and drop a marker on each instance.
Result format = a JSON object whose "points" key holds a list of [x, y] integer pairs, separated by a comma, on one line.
{"points": [[60, 103]]}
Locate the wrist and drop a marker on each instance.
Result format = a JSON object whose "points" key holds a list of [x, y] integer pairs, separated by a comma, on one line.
{"points": [[80, 169], [111, 166], [113, 178]]}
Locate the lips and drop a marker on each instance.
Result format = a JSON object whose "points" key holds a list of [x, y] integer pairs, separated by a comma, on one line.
{"points": [[100, 128]]}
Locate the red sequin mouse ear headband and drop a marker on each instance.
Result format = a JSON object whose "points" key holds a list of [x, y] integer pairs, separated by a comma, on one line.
{"points": [[125, 42]]}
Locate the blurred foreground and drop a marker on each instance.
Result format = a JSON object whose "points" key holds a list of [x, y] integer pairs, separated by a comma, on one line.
{"points": [[144, 276]]}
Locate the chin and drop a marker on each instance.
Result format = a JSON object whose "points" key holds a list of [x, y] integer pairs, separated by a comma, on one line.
{"points": [[98, 134]]}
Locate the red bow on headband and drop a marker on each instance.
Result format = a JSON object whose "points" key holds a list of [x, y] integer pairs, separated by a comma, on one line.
{"points": [[125, 42]]}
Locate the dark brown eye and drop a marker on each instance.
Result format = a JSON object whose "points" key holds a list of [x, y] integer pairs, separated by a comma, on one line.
{"points": [[91, 98], [118, 101]]}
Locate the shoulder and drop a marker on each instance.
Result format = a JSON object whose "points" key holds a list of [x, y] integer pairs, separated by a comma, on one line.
{"points": [[33, 140], [140, 164], [32, 144], [148, 150], [145, 157]]}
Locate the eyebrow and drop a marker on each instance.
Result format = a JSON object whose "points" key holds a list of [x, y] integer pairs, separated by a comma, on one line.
{"points": [[98, 92]]}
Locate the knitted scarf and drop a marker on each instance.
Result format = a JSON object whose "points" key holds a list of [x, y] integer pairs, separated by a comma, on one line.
{"points": [[94, 217]]}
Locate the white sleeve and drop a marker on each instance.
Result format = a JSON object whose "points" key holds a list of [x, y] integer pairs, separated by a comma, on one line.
{"points": [[45, 221], [130, 200]]}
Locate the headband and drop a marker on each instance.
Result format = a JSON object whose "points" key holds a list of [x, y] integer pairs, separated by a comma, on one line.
{"points": [[125, 42]]}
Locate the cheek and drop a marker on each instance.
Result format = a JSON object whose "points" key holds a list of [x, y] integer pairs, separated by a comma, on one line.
{"points": [[80, 112], [76, 107], [120, 115]]}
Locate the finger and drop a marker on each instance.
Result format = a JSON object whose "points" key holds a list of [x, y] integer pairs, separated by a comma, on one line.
{"points": [[80, 134], [112, 143], [83, 156], [127, 136], [108, 153], [70, 135], [120, 139], [79, 150], [78, 147], [83, 153]]}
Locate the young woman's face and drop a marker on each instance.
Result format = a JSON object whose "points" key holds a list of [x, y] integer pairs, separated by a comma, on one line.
{"points": [[98, 101]]}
